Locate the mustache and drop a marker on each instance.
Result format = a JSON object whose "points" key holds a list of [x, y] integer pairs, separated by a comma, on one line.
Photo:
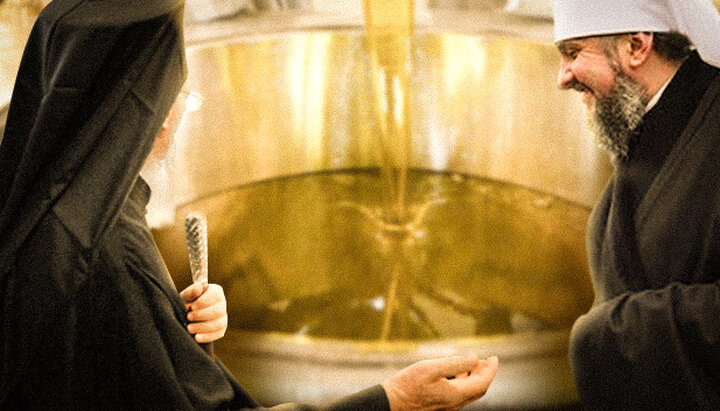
{"points": [[578, 86]]}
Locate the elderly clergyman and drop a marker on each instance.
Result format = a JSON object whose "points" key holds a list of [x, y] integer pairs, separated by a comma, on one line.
{"points": [[648, 72]]}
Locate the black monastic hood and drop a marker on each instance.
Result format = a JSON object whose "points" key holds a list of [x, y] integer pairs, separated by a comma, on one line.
{"points": [[95, 83]]}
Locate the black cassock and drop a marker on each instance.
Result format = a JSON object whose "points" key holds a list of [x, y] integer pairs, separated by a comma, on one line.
{"points": [[89, 317], [652, 338]]}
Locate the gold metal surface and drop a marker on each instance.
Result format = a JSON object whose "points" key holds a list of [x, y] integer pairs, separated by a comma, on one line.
{"points": [[298, 102], [287, 106], [314, 255]]}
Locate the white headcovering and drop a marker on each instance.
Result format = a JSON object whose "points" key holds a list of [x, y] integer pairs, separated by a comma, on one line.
{"points": [[697, 19]]}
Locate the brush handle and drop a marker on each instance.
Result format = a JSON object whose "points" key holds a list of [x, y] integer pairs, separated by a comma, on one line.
{"points": [[196, 236]]}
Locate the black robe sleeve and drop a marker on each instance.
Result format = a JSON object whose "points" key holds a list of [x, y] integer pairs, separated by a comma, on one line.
{"points": [[652, 350]]}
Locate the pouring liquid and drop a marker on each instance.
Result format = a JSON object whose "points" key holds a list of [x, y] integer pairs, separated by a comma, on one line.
{"points": [[389, 34]]}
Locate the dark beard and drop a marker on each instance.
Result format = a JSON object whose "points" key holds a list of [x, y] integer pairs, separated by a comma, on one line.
{"points": [[616, 117]]}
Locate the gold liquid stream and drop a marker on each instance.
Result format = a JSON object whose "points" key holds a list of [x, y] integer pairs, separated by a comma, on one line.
{"points": [[389, 31], [389, 34]]}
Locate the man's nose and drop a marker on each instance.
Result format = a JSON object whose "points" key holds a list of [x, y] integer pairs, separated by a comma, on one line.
{"points": [[565, 75]]}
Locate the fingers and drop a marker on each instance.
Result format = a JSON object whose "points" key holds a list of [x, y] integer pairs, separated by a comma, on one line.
{"points": [[487, 368], [192, 292], [477, 383], [207, 313], [450, 366], [208, 331], [445, 383], [211, 295]]}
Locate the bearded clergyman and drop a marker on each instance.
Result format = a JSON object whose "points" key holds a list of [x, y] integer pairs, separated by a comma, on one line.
{"points": [[648, 73]]}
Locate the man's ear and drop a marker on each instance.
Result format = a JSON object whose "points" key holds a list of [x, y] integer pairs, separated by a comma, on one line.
{"points": [[639, 48]]}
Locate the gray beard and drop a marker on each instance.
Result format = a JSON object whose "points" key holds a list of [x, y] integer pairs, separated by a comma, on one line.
{"points": [[616, 118]]}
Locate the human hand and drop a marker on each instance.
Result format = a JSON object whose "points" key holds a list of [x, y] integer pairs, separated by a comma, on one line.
{"points": [[440, 384], [207, 311]]}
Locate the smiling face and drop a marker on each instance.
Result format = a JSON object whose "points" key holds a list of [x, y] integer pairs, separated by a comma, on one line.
{"points": [[615, 103], [587, 66]]}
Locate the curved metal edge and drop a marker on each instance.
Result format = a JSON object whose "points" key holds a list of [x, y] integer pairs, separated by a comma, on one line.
{"points": [[517, 347], [473, 22]]}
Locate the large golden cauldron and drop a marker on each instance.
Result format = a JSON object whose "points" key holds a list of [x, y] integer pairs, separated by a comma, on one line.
{"points": [[325, 297]]}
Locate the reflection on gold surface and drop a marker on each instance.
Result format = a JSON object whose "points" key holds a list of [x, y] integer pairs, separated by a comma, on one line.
{"points": [[484, 107], [309, 254], [293, 103]]}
